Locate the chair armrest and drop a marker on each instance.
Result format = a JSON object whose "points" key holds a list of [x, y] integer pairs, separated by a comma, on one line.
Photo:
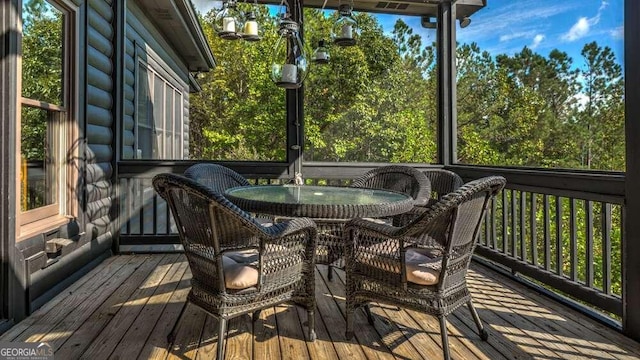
{"points": [[291, 226], [382, 229]]}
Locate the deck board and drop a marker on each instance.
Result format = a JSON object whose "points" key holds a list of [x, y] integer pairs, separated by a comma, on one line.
{"points": [[124, 309]]}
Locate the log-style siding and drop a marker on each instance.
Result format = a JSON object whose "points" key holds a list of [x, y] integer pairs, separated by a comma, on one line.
{"points": [[153, 49], [100, 117]]}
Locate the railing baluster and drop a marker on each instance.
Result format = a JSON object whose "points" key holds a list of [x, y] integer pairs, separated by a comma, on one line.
{"points": [[514, 228], [127, 203], [505, 209], [487, 229], [547, 234], [154, 207], [534, 229], [573, 223], [559, 243], [588, 209], [139, 207], [523, 226], [493, 222], [606, 247]]}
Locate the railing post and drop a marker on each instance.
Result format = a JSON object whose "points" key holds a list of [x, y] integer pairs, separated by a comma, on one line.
{"points": [[446, 59], [295, 107], [631, 238]]}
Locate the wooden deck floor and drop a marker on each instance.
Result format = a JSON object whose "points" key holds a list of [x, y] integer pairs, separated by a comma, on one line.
{"points": [[125, 307]]}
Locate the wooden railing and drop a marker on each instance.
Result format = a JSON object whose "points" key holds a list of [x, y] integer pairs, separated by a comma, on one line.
{"points": [[560, 230]]}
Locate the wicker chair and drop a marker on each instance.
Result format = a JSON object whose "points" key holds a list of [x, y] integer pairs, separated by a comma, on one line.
{"points": [[404, 179], [220, 178], [239, 266], [442, 182], [216, 177], [421, 266]]}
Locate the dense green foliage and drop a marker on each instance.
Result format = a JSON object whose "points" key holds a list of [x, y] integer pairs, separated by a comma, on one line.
{"points": [[377, 102]]}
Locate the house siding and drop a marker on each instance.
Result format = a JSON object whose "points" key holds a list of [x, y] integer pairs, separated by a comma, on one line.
{"points": [[100, 117], [151, 46]]}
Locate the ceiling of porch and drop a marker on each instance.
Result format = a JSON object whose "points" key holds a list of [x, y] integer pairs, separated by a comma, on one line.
{"points": [[464, 8]]}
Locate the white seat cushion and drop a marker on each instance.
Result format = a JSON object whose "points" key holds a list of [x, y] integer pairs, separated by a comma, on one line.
{"points": [[238, 276], [422, 269], [249, 256]]}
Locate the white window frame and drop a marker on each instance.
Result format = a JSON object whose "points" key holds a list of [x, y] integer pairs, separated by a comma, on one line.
{"points": [[65, 206], [170, 125]]}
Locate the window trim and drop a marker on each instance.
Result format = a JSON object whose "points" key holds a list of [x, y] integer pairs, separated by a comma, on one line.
{"points": [[145, 57], [68, 152]]}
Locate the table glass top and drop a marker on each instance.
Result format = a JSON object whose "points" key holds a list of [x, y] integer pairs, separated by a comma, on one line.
{"points": [[318, 195]]}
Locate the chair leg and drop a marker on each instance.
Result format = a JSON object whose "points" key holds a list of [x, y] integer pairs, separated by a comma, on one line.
{"points": [[311, 323], [329, 272], [348, 334], [222, 330], [172, 334], [256, 315], [484, 335], [445, 338], [367, 310]]}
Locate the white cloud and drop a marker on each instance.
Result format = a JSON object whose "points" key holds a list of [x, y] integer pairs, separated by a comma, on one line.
{"points": [[579, 30], [527, 16], [582, 27], [536, 41], [204, 6], [617, 33], [517, 35]]}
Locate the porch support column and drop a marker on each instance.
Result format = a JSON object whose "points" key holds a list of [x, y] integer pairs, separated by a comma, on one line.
{"points": [[294, 106], [446, 60], [119, 28], [631, 238], [12, 277]]}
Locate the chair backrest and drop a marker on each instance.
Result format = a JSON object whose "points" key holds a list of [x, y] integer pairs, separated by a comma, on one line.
{"points": [[208, 224], [399, 178], [216, 177], [454, 222], [443, 182]]}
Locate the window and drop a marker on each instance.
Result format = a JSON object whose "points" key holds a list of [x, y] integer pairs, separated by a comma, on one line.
{"points": [[47, 128], [159, 120]]}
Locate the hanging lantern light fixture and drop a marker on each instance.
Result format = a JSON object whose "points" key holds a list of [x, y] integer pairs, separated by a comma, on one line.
{"points": [[251, 30], [289, 65], [321, 53], [228, 21], [344, 31]]}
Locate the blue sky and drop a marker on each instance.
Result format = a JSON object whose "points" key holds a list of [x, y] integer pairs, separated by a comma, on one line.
{"points": [[506, 26]]}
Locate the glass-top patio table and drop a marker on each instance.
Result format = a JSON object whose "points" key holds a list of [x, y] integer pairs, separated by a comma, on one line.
{"points": [[329, 206], [320, 202]]}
